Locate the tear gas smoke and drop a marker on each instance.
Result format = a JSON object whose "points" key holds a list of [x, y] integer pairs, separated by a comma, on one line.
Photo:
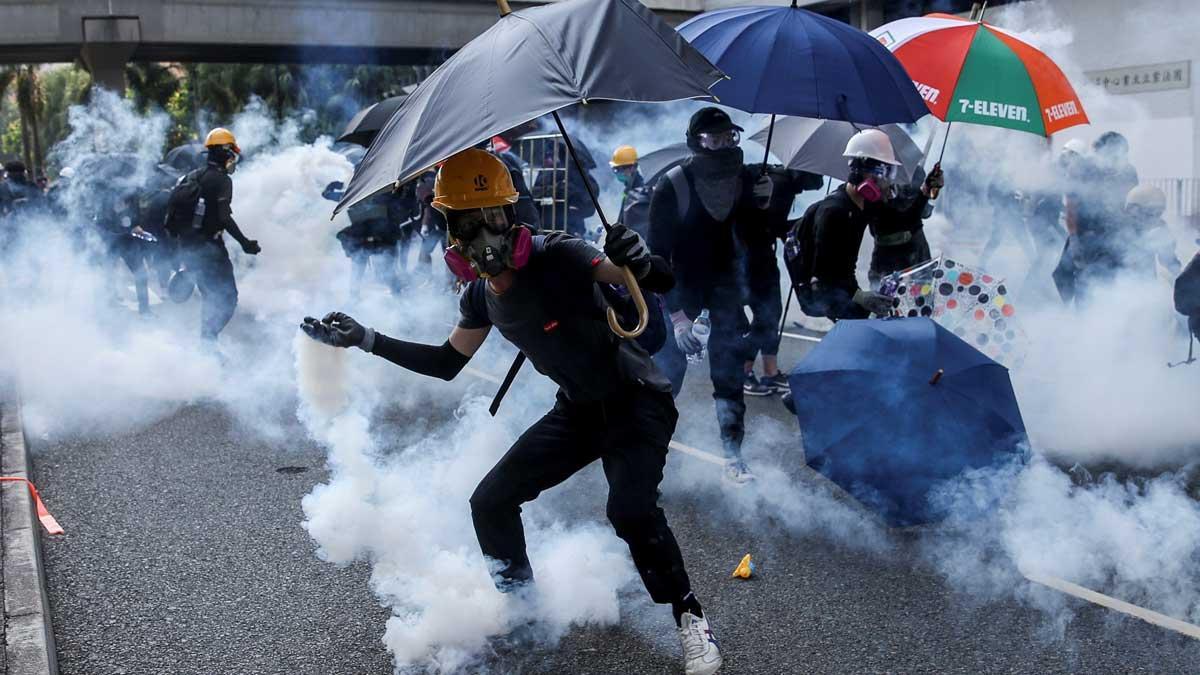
{"points": [[1094, 388]]}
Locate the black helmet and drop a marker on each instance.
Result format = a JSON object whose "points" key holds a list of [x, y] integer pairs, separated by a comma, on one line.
{"points": [[15, 166]]}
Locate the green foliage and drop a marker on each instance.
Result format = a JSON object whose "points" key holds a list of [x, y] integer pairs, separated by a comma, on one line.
{"points": [[208, 93]]}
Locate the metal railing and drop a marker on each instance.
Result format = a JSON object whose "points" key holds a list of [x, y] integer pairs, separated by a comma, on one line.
{"points": [[544, 160], [1183, 195]]}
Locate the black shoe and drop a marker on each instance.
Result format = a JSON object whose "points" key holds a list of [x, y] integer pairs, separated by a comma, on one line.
{"points": [[778, 383], [752, 387]]}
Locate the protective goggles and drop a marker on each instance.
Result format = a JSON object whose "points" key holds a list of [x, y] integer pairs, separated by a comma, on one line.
{"points": [[719, 140], [466, 225], [882, 172]]}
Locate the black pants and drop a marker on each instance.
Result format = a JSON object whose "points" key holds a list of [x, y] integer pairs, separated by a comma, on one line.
{"points": [[628, 433], [766, 304], [728, 351], [132, 252], [208, 261]]}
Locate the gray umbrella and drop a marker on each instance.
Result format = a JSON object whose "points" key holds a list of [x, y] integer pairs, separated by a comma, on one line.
{"points": [[366, 123], [531, 63], [655, 163], [817, 145]]}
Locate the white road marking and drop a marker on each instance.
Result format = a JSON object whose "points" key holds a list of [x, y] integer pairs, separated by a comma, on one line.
{"points": [[1060, 585], [482, 375], [699, 454], [1147, 615], [806, 338]]}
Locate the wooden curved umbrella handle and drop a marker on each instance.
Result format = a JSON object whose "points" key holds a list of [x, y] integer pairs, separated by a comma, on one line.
{"points": [[643, 312]]}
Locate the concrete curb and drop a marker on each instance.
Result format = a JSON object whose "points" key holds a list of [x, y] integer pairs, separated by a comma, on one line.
{"points": [[28, 632]]}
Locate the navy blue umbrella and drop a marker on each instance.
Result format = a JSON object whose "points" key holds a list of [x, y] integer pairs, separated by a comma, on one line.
{"points": [[790, 61], [891, 408]]}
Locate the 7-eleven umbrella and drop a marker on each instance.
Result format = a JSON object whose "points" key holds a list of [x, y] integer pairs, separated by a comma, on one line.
{"points": [[970, 71]]}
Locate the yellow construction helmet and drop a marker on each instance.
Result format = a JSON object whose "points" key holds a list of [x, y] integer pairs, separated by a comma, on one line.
{"points": [[221, 136], [624, 156], [473, 179]]}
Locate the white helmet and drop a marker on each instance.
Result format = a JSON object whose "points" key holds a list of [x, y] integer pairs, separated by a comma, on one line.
{"points": [[1148, 197], [1076, 146], [871, 144], [67, 172]]}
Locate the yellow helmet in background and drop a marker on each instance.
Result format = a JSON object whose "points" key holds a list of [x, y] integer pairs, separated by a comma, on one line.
{"points": [[625, 155], [473, 179], [221, 136]]}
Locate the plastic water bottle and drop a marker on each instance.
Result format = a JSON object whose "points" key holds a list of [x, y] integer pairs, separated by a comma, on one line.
{"points": [[701, 329], [198, 214]]}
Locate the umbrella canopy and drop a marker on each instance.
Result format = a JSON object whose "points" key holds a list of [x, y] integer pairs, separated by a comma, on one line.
{"points": [[973, 304], [657, 162], [531, 63], [366, 123], [891, 408], [790, 61], [970, 71], [186, 157], [817, 145]]}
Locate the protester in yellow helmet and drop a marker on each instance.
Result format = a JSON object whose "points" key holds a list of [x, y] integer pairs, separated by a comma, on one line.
{"points": [[635, 199], [199, 215], [542, 292]]}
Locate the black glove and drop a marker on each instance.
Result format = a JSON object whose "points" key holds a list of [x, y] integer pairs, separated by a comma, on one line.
{"points": [[764, 187], [336, 330], [934, 182], [251, 246], [626, 248]]}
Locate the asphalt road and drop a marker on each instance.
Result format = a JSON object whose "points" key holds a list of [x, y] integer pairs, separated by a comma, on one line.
{"points": [[185, 554]]}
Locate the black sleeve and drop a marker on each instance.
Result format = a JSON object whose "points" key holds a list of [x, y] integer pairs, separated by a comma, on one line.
{"points": [[659, 279], [664, 220], [805, 180], [224, 204], [443, 362], [472, 306]]}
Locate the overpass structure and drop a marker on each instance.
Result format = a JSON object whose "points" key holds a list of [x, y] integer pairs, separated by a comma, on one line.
{"points": [[106, 34]]}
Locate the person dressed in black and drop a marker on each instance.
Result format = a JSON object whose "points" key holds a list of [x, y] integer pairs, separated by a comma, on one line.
{"points": [[838, 224], [202, 250], [759, 232], [898, 232], [1146, 241], [1187, 296], [694, 213], [635, 194], [541, 292], [1095, 216], [20, 200]]}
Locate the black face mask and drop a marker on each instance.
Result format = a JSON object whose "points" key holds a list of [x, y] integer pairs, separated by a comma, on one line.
{"points": [[717, 163]]}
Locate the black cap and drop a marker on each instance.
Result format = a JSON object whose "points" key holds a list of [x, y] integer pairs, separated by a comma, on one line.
{"points": [[710, 121]]}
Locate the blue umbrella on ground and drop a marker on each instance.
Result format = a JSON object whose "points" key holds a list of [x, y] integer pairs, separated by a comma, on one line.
{"points": [[790, 61], [891, 408]]}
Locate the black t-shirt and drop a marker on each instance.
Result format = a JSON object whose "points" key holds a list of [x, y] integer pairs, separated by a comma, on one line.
{"points": [[839, 226], [554, 313]]}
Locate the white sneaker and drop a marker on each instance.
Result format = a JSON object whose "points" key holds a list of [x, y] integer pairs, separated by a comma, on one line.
{"points": [[701, 655], [737, 473]]}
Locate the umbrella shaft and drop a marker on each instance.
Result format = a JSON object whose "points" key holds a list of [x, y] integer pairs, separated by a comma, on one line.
{"points": [[582, 172], [770, 133]]}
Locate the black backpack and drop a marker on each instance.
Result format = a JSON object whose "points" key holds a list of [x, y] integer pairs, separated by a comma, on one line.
{"points": [[181, 203], [799, 250]]}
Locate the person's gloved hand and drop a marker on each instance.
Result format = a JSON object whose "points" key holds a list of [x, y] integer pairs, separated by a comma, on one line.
{"points": [[687, 342], [251, 246], [934, 182], [875, 303], [626, 248], [764, 187], [338, 330]]}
